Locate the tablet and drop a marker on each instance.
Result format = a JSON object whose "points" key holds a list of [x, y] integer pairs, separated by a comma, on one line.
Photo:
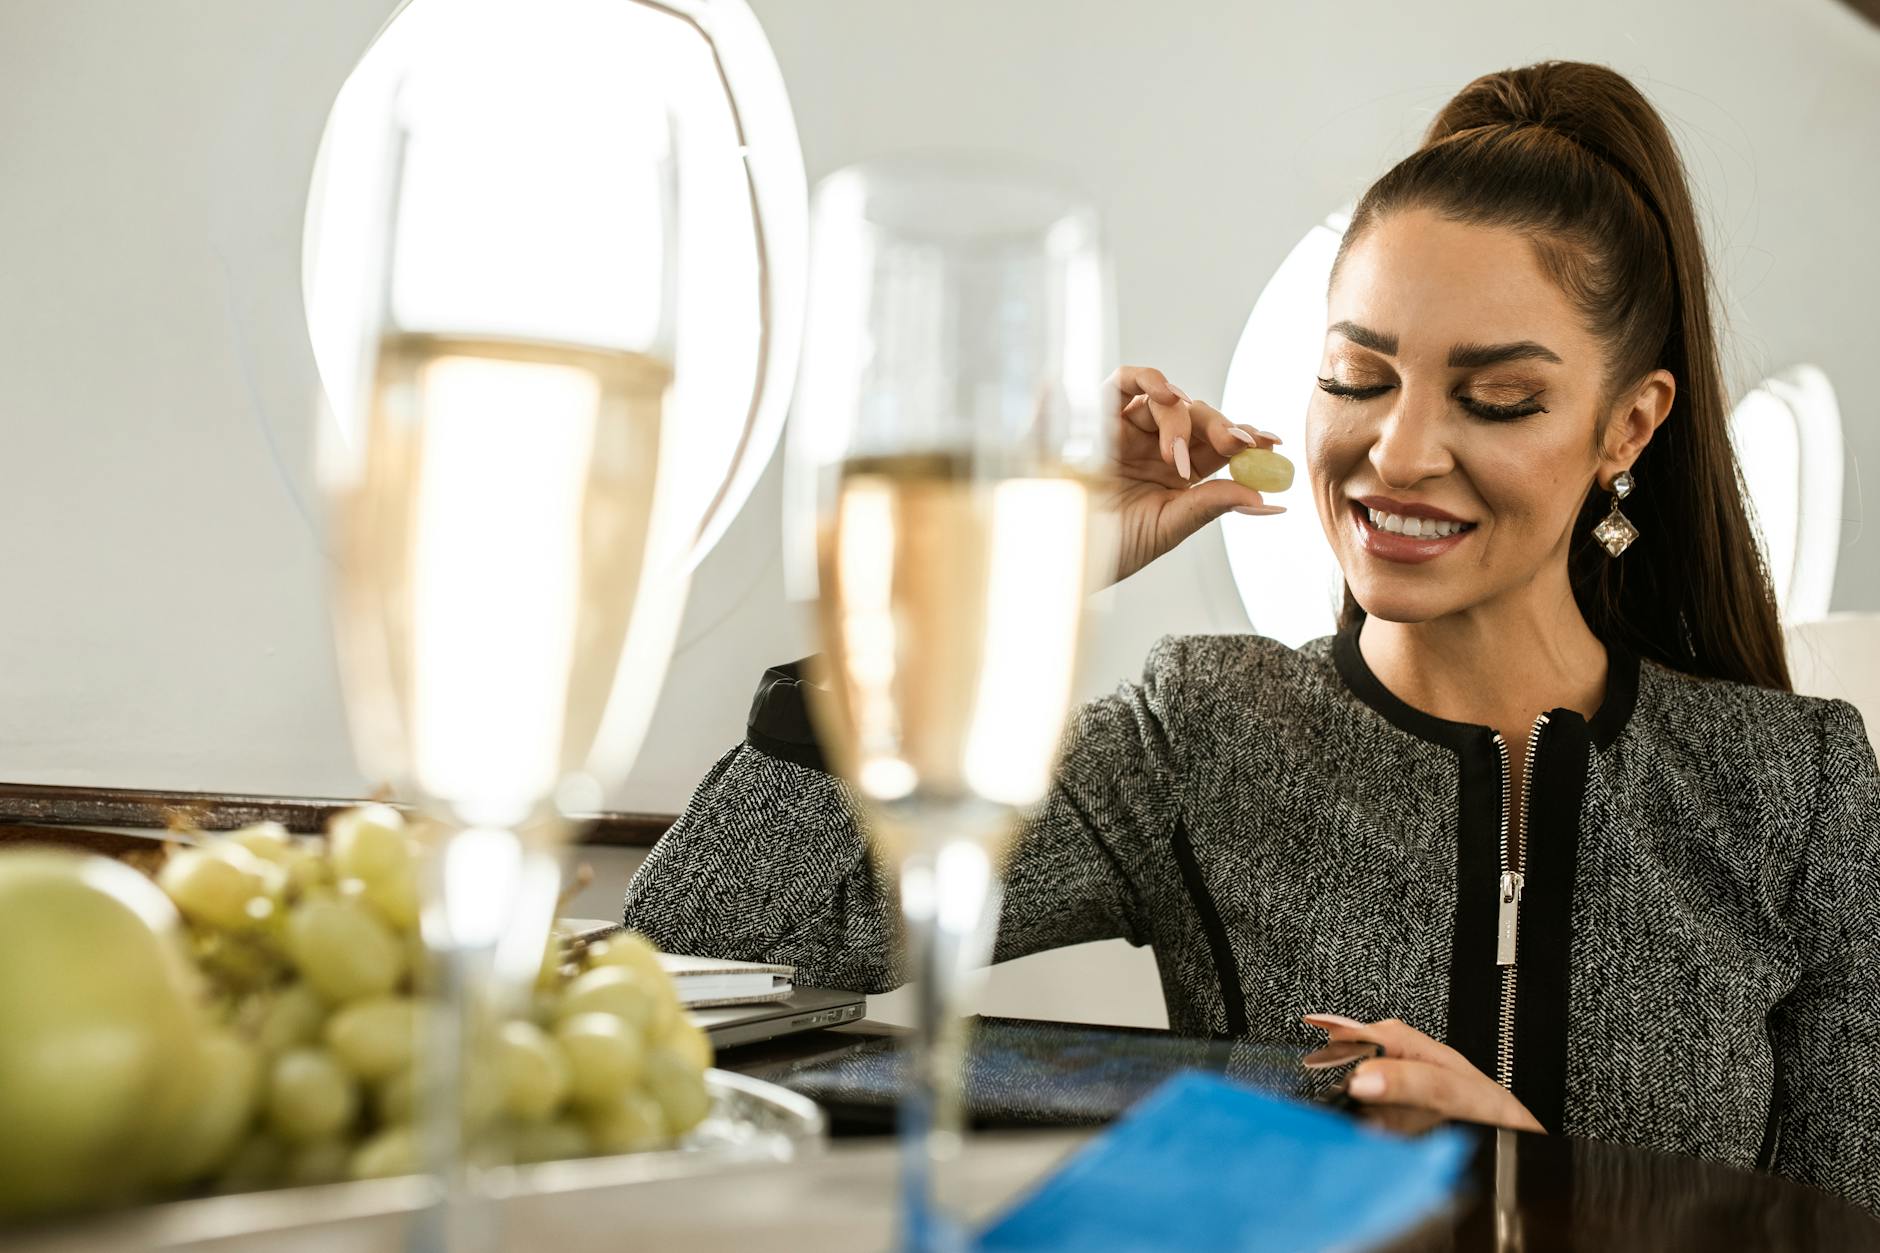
{"points": [[1023, 1073]]}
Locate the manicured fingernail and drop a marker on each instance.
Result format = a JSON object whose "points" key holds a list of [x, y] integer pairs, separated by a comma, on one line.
{"points": [[1271, 438], [1179, 392], [1181, 458], [1337, 1020], [1241, 435], [1366, 1083], [1264, 511]]}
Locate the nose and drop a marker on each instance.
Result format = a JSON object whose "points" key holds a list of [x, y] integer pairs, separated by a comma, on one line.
{"points": [[1412, 443]]}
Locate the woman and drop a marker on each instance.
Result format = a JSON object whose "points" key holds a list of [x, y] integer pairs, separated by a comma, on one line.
{"points": [[1542, 819]]}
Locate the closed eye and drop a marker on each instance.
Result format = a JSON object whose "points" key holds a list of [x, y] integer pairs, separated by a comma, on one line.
{"points": [[1480, 408]]}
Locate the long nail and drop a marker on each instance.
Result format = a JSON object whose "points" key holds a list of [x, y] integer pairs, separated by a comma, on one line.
{"points": [[1367, 1083], [1337, 1020], [1182, 466], [1271, 438], [1179, 392], [1261, 511], [1241, 435]]}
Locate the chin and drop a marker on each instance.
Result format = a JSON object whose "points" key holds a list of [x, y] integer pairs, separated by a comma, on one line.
{"points": [[1401, 604]]}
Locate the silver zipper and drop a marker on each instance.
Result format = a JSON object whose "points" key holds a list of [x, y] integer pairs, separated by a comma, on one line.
{"points": [[1508, 892]]}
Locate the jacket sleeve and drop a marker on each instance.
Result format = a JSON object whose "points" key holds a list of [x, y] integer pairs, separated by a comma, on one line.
{"points": [[1826, 1032], [770, 859]]}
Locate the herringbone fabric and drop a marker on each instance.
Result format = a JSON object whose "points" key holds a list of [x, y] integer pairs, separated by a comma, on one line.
{"points": [[1724, 953]]}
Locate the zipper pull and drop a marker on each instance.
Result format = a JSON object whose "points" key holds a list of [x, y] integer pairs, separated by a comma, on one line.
{"points": [[1512, 881]]}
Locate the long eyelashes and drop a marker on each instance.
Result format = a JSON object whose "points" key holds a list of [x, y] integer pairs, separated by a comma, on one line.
{"points": [[1481, 409]]}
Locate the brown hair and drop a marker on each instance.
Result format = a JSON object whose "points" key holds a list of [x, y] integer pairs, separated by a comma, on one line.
{"points": [[1574, 156]]}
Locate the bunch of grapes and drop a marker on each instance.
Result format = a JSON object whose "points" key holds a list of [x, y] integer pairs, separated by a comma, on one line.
{"points": [[311, 949]]}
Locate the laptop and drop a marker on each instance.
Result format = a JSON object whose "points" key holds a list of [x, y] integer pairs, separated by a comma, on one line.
{"points": [[805, 1009]]}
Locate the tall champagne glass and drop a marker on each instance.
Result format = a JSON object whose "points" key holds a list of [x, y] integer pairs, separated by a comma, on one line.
{"points": [[949, 427], [511, 515]]}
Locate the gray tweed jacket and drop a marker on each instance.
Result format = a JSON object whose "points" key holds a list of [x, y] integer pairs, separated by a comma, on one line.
{"points": [[1699, 942]]}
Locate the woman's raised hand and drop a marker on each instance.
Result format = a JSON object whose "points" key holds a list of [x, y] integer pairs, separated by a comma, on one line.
{"points": [[1166, 447]]}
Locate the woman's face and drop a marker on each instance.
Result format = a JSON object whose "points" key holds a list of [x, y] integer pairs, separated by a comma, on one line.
{"points": [[1450, 440]]}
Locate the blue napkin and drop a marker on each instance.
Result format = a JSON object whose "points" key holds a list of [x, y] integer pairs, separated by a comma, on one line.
{"points": [[1202, 1164]]}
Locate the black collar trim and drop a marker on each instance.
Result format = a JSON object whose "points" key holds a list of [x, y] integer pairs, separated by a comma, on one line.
{"points": [[1605, 726]]}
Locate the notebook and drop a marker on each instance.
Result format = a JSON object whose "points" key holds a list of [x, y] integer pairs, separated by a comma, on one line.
{"points": [[701, 982], [708, 982]]}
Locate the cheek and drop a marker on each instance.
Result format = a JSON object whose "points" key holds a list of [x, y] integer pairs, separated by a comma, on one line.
{"points": [[1531, 491], [1333, 442]]}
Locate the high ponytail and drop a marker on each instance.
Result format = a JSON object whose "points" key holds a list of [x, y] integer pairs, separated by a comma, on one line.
{"points": [[1572, 155]]}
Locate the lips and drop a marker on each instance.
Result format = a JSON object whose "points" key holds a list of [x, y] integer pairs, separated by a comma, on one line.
{"points": [[1394, 545]]}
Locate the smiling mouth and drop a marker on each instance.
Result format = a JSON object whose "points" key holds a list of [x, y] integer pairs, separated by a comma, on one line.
{"points": [[1407, 528], [1399, 537]]}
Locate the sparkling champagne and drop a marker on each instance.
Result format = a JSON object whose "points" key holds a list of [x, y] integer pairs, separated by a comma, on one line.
{"points": [[950, 608], [509, 580]]}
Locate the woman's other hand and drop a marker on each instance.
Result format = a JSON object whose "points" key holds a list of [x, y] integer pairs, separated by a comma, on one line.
{"points": [[1166, 447], [1419, 1073]]}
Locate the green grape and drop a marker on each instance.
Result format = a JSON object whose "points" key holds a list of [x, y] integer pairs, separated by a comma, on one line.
{"points": [[686, 1039], [255, 1164], [392, 1097], [605, 1056], [629, 949], [627, 993], [307, 869], [317, 1162], [310, 1095], [556, 1140], [375, 1036], [395, 895], [1262, 469], [343, 949], [679, 1087], [532, 1069], [235, 959], [369, 842], [267, 840], [220, 1117], [390, 1153], [213, 886], [293, 1016], [630, 1123]]}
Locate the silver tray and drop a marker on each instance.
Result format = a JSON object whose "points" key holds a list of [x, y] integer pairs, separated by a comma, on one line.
{"points": [[752, 1123]]}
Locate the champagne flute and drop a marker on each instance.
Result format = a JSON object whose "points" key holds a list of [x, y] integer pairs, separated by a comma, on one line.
{"points": [[511, 515], [950, 427]]}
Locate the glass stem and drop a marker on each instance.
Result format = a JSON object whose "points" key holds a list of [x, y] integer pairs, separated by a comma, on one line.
{"points": [[948, 897], [489, 903]]}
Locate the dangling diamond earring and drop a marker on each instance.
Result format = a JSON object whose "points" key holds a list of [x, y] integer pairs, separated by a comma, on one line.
{"points": [[1616, 531]]}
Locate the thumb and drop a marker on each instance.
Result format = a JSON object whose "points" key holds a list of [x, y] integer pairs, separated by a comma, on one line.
{"points": [[1199, 505]]}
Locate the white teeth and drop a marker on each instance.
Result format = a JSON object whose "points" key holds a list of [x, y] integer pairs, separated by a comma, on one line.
{"points": [[1413, 528]]}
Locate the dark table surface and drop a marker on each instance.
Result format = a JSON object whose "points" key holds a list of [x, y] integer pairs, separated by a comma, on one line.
{"points": [[1540, 1193]]}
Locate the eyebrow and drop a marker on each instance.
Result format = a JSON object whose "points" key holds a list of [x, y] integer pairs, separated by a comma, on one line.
{"points": [[1462, 356]]}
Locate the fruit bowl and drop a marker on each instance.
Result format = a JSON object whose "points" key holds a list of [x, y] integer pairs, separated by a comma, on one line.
{"points": [[752, 1123]]}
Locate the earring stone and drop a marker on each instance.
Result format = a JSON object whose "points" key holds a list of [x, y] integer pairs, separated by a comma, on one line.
{"points": [[1615, 531]]}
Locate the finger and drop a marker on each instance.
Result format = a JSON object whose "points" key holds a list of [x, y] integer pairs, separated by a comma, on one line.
{"points": [[1340, 1053], [1174, 431], [1399, 1039], [1193, 509], [1471, 1097], [1226, 437], [1404, 1120], [1143, 380], [1137, 414]]}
